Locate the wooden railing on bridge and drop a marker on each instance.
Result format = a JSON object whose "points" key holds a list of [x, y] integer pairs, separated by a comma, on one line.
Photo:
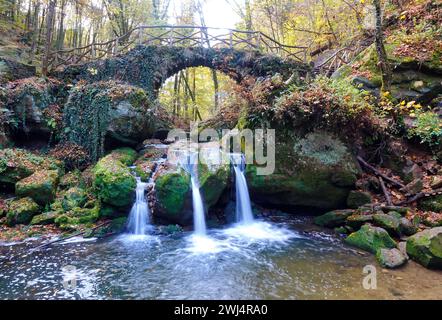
{"points": [[188, 36]]}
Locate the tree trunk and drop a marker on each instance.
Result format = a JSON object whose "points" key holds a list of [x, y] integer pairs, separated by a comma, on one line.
{"points": [[49, 24], [380, 49]]}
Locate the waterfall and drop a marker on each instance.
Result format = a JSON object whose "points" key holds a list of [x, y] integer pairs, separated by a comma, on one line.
{"points": [[139, 214], [243, 207], [199, 219]]}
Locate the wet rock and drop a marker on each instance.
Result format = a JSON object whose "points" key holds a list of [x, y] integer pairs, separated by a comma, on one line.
{"points": [[21, 211], [333, 219], [356, 199], [425, 248], [40, 186], [173, 197], [371, 239], [390, 258]]}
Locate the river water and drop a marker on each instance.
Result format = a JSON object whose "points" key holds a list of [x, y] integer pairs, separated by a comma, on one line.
{"points": [[284, 259]]}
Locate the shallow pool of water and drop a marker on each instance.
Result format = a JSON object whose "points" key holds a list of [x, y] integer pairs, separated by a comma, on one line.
{"points": [[284, 260]]}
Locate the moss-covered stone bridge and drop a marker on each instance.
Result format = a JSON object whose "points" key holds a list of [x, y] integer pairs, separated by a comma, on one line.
{"points": [[148, 66]]}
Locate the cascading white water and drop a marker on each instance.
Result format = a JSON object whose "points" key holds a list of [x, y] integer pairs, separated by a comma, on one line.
{"points": [[139, 215], [243, 207], [199, 219]]}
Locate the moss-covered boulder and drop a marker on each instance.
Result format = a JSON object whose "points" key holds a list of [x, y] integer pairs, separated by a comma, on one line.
{"points": [[173, 197], [314, 171], [73, 197], [407, 227], [358, 220], [391, 258], [79, 217], [433, 204], [45, 218], [426, 248], [356, 199], [333, 219], [113, 182], [388, 222], [40, 186], [213, 182], [21, 211], [371, 239], [17, 164], [109, 114]]}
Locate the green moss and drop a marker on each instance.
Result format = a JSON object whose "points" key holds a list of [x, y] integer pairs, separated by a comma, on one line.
{"points": [[212, 183], [370, 239], [433, 204], [172, 191], [426, 248], [74, 197], [40, 186], [126, 155], [16, 164], [358, 198], [21, 211], [333, 219], [113, 182], [78, 217], [388, 222], [358, 220], [45, 218]]}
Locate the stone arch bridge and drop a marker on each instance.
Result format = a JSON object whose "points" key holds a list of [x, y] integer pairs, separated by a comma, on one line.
{"points": [[148, 57]]}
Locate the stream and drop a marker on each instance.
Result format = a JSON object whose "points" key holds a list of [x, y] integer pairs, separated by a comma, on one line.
{"points": [[287, 258]]}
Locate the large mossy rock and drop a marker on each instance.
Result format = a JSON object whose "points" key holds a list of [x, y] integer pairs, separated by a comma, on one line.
{"points": [[109, 114], [21, 211], [333, 219], [370, 239], [173, 191], [173, 197], [40, 186], [433, 204], [316, 171], [426, 248], [29, 99], [213, 182], [113, 182], [17, 164]]}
